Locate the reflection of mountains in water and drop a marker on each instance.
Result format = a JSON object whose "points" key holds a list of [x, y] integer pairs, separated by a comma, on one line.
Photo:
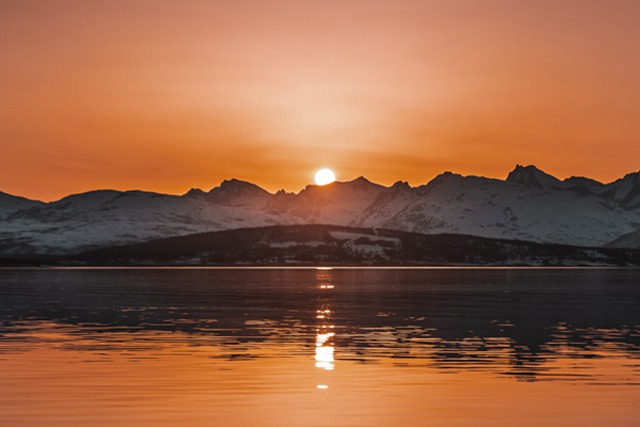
{"points": [[514, 322]]}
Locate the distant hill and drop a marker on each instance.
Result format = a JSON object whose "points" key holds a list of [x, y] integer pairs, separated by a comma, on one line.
{"points": [[338, 245], [528, 205]]}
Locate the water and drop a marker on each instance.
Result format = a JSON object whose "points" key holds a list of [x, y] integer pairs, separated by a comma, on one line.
{"points": [[320, 347]]}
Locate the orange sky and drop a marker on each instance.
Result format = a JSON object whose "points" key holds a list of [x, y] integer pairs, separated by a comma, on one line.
{"points": [[165, 96]]}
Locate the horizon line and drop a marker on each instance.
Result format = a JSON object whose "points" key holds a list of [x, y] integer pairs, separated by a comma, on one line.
{"points": [[311, 185]]}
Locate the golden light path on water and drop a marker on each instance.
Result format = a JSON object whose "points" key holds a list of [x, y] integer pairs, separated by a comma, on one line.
{"points": [[325, 329]]}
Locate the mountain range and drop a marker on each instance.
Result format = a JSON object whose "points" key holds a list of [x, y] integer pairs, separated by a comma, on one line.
{"points": [[528, 205]]}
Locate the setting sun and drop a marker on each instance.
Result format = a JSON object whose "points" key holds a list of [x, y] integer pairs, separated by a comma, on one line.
{"points": [[324, 177]]}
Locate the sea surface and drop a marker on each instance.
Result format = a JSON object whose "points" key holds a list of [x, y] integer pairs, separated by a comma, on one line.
{"points": [[320, 347]]}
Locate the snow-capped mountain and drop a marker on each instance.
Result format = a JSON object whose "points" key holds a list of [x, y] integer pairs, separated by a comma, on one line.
{"points": [[107, 217], [529, 205]]}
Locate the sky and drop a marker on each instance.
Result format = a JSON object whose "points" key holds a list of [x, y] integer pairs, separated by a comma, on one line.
{"points": [[165, 96]]}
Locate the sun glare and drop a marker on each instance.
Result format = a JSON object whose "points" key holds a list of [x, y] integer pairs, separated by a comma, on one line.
{"points": [[325, 176]]}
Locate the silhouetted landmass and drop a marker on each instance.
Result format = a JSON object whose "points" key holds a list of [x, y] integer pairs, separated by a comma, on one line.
{"points": [[23, 262], [337, 245]]}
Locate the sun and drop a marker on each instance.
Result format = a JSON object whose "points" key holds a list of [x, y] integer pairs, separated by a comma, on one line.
{"points": [[325, 176]]}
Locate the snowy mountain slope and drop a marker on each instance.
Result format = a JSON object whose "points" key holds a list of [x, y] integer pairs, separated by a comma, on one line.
{"points": [[339, 203], [528, 205], [10, 204], [625, 192], [387, 203], [106, 217], [630, 240], [541, 210]]}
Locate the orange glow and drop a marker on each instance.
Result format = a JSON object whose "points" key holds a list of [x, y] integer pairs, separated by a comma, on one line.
{"points": [[146, 95], [190, 385]]}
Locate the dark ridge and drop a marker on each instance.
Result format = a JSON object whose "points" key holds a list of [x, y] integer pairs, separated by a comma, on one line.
{"points": [[338, 245]]}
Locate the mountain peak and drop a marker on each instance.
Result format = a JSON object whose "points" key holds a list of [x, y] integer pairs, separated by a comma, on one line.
{"points": [[583, 181], [194, 192], [531, 176], [401, 185], [237, 183], [361, 179], [233, 190], [443, 177], [362, 183], [234, 184]]}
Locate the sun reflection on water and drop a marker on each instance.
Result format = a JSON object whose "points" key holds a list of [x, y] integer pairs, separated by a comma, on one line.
{"points": [[325, 348], [324, 352]]}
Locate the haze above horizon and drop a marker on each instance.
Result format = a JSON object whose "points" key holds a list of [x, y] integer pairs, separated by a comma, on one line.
{"points": [[146, 94]]}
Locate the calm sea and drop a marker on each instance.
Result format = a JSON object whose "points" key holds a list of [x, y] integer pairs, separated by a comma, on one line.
{"points": [[320, 347]]}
